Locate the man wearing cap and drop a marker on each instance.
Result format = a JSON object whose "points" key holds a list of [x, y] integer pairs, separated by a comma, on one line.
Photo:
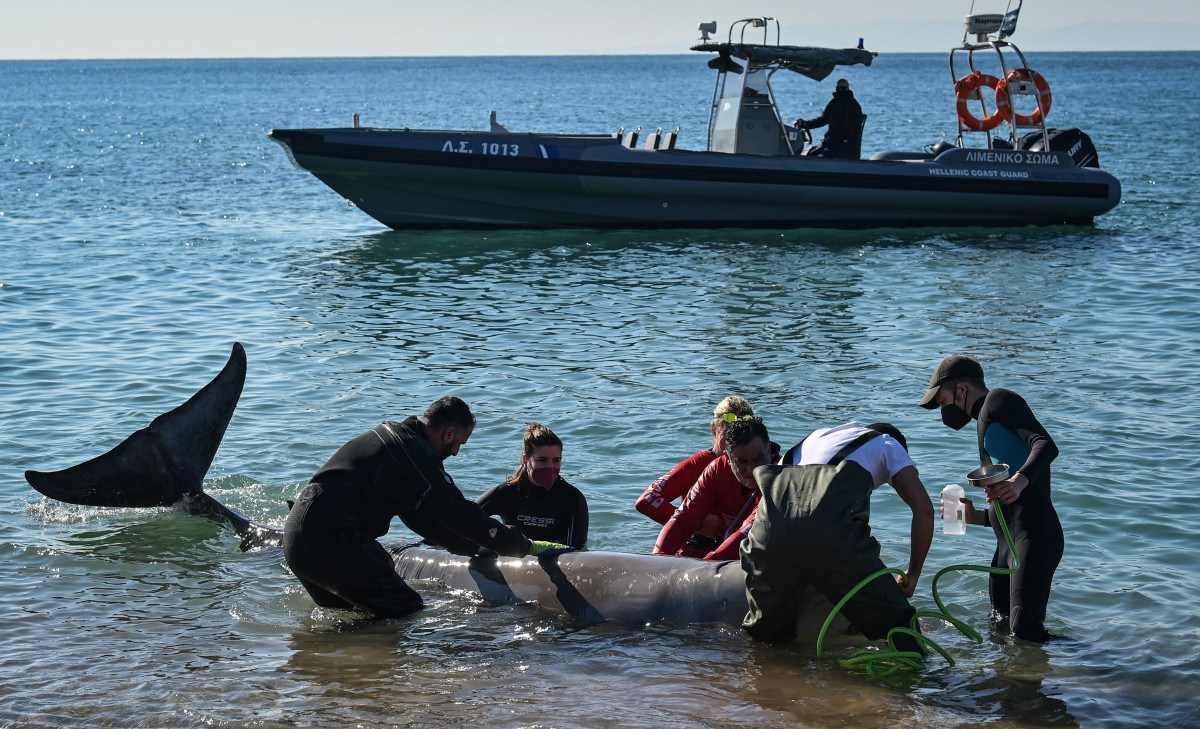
{"points": [[1007, 432], [844, 116]]}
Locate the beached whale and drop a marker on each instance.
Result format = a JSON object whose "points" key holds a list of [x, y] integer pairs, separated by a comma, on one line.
{"points": [[596, 587], [165, 463]]}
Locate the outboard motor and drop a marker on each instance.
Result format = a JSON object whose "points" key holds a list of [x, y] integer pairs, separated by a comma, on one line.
{"points": [[1072, 141]]}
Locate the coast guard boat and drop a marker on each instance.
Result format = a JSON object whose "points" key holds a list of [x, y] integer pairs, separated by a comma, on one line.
{"points": [[756, 170]]}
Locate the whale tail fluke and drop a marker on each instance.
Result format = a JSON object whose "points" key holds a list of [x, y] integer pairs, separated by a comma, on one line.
{"points": [[166, 461]]}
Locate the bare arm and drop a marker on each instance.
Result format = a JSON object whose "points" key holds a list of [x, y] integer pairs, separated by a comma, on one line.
{"points": [[908, 485]]}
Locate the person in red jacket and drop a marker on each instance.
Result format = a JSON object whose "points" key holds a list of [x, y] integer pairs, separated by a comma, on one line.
{"points": [[655, 501], [725, 491]]}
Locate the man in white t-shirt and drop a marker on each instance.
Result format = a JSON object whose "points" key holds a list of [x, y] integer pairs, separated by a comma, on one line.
{"points": [[811, 529], [886, 458]]}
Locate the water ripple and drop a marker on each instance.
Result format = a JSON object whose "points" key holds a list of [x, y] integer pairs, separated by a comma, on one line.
{"points": [[153, 225]]}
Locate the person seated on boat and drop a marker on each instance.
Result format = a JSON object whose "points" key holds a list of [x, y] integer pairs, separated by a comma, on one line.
{"points": [[536, 498], [882, 450], [725, 490], [655, 501], [844, 117], [814, 531], [394, 469]]}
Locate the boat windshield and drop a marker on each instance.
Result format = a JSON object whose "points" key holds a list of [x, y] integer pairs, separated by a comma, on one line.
{"points": [[744, 118]]}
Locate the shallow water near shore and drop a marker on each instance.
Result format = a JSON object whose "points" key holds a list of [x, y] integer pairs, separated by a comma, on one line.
{"points": [[147, 223]]}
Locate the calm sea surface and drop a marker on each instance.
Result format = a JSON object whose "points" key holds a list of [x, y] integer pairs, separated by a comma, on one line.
{"points": [[146, 223]]}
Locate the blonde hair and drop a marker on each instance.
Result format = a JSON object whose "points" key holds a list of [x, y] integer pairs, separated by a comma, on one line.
{"points": [[533, 437], [735, 404]]}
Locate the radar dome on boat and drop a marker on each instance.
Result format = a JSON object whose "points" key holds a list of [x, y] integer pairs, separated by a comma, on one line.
{"points": [[984, 24]]}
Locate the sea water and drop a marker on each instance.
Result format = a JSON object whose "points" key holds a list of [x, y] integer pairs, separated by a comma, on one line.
{"points": [[147, 223]]}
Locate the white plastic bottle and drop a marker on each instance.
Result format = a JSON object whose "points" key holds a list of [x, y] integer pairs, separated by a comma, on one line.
{"points": [[953, 517]]}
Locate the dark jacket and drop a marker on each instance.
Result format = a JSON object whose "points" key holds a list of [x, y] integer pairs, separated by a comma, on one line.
{"points": [[844, 117], [393, 470], [558, 514]]}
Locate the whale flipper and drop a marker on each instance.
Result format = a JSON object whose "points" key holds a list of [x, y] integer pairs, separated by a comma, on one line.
{"points": [[161, 463]]}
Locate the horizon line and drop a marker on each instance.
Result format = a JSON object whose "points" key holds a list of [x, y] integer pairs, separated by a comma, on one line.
{"points": [[510, 55]]}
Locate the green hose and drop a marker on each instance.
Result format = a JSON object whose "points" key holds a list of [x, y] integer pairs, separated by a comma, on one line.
{"points": [[881, 663]]}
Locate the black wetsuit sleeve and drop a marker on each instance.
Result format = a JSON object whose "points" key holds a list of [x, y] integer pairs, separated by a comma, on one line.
{"points": [[579, 535], [446, 504], [824, 118], [1009, 409], [495, 501]]}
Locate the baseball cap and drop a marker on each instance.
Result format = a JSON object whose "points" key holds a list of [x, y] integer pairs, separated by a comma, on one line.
{"points": [[954, 367]]}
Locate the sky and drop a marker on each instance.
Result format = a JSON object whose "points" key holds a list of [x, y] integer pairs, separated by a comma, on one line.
{"points": [[50, 29]]}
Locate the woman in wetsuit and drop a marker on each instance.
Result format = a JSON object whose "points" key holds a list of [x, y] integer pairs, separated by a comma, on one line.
{"points": [[1008, 432], [536, 499]]}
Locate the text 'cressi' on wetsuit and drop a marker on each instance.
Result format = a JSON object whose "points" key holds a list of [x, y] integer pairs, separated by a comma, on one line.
{"points": [[655, 501], [557, 514], [1008, 432], [879, 454], [392, 470], [718, 492]]}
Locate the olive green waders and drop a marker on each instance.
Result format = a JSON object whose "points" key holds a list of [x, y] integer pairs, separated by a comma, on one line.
{"points": [[811, 529]]}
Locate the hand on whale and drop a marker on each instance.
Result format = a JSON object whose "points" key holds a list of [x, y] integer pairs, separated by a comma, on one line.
{"points": [[548, 549]]}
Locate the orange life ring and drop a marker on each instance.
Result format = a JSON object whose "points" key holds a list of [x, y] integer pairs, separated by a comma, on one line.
{"points": [[1043, 94], [965, 89]]}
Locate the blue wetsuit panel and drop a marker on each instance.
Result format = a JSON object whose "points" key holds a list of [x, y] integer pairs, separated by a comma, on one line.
{"points": [[1004, 446]]}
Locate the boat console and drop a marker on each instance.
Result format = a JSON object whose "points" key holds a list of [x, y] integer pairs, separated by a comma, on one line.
{"points": [[744, 117]]}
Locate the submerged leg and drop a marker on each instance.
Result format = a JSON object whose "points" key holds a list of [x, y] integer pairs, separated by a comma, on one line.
{"points": [[878, 607], [774, 586], [352, 568]]}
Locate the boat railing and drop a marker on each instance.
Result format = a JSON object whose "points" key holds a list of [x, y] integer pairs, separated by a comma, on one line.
{"points": [[990, 33], [741, 26]]}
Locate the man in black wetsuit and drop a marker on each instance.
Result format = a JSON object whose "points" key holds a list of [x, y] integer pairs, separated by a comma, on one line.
{"points": [[844, 116], [1007, 432], [395, 469]]}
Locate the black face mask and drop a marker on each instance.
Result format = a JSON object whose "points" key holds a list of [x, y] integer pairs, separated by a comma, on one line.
{"points": [[955, 417]]}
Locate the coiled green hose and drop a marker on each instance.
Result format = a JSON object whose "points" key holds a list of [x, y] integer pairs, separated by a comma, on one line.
{"points": [[886, 662]]}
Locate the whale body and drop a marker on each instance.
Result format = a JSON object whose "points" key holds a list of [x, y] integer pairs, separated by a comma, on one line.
{"points": [[597, 587], [165, 463]]}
